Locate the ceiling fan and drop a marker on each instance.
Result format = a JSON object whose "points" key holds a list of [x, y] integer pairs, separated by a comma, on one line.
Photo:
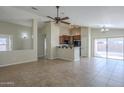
{"points": [[58, 19]]}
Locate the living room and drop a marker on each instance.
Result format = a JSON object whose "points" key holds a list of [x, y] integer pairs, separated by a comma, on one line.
{"points": [[63, 46]]}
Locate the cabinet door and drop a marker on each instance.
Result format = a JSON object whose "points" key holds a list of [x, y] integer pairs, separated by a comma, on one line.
{"points": [[77, 37], [61, 41]]}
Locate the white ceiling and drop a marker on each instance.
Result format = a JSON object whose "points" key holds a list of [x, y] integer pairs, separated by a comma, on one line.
{"points": [[17, 16], [94, 16]]}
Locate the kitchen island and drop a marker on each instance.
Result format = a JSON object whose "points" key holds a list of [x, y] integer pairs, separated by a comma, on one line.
{"points": [[68, 53]]}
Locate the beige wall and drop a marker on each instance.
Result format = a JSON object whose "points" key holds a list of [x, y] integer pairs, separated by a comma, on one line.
{"points": [[41, 37], [64, 30], [21, 56], [15, 32], [84, 41], [55, 31], [75, 31]]}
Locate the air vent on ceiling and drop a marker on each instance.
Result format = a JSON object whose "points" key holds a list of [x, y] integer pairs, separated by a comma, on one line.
{"points": [[34, 8]]}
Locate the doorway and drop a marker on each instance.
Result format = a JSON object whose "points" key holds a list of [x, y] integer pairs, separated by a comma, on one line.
{"points": [[45, 47]]}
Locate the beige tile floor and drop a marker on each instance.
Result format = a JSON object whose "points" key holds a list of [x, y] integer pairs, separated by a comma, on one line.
{"points": [[95, 72]]}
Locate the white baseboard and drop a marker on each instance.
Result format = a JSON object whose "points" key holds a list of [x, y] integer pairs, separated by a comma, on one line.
{"points": [[27, 61]]}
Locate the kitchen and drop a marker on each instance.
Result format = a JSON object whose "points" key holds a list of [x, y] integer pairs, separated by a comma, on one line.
{"points": [[69, 43]]}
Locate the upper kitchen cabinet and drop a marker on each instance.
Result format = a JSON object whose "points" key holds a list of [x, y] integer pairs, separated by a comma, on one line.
{"points": [[64, 39], [76, 37]]}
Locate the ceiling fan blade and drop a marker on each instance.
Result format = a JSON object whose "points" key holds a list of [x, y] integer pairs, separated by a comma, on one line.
{"points": [[65, 22], [65, 18], [50, 17]]}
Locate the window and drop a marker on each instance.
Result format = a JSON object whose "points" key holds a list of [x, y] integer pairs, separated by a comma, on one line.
{"points": [[5, 44]]}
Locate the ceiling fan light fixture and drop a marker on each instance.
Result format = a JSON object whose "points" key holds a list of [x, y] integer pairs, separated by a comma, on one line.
{"points": [[104, 29]]}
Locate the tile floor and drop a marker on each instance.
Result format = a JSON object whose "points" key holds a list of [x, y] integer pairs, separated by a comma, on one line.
{"points": [[95, 72]]}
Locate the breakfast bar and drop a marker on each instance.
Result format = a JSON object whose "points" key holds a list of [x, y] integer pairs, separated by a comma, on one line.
{"points": [[68, 53]]}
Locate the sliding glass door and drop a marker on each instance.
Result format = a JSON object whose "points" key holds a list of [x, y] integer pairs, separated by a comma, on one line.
{"points": [[109, 48], [115, 48], [100, 47]]}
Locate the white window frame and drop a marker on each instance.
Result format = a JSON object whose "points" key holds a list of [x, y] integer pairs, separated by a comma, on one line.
{"points": [[9, 42]]}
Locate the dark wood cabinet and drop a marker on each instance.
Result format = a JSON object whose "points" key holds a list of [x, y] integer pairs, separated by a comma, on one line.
{"points": [[64, 38], [76, 37]]}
